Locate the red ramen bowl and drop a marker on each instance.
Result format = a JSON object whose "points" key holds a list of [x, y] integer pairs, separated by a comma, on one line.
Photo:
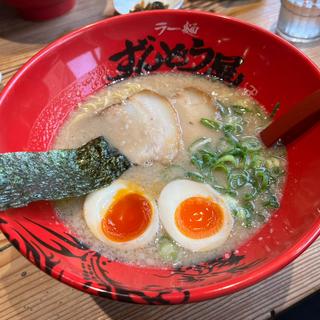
{"points": [[37, 100]]}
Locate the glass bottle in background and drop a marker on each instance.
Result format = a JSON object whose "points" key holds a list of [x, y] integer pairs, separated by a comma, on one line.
{"points": [[299, 20]]}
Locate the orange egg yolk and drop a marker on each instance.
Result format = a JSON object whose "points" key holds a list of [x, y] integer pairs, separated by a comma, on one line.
{"points": [[127, 218], [198, 217]]}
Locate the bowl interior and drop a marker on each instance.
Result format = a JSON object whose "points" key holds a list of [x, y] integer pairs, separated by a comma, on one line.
{"points": [[39, 98]]}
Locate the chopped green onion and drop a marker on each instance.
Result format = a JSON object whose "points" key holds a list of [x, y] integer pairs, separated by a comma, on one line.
{"points": [[237, 109], [238, 129], [244, 215], [228, 128], [256, 161], [208, 158], [225, 190], [232, 128], [224, 110], [167, 249], [249, 217], [252, 195], [275, 109], [249, 205], [223, 146], [231, 192], [198, 144], [228, 158], [221, 166], [211, 124], [238, 180], [195, 176], [248, 222], [220, 188], [277, 171], [240, 213], [231, 139], [251, 143], [246, 167], [261, 179], [197, 161], [273, 202], [214, 78], [239, 152], [246, 161], [233, 119]]}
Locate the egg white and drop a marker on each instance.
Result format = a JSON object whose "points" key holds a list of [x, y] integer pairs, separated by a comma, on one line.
{"points": [[171, 197], [96, 205]]}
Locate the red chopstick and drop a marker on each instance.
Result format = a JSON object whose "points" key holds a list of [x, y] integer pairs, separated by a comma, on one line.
{"points": [[295, 122]]}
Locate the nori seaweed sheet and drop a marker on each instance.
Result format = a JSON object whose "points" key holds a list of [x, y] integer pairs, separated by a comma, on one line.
{"points": [[58, 174]]}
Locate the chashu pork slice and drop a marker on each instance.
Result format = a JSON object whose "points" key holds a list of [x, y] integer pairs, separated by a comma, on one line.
{"points": [[193, 104], [145, 128]]}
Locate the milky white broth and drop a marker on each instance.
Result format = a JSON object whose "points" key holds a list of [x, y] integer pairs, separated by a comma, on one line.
{"points": [[87, 122]]}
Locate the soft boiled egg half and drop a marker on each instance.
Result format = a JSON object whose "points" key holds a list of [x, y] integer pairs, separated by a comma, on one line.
{"points": [[195, 215], [122, 215]]}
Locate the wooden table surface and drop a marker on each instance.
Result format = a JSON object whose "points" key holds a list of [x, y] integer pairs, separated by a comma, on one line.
{"points": [[27, 293]]}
